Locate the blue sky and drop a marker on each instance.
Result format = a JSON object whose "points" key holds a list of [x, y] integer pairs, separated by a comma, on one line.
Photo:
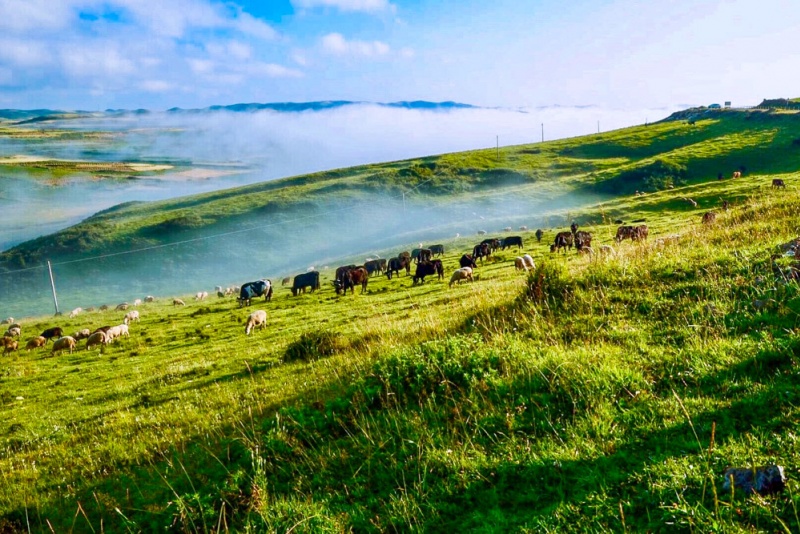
{"points": [[156, 54]]}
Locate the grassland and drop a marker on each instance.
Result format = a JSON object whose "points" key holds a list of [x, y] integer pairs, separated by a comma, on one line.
{"points": [[597, 394]]}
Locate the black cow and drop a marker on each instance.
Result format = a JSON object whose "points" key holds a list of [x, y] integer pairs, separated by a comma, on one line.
{"points": [[582, 239], [375, 266], [53, 333], [493, 242], [539, 235], [437, 250], [481, 250], [251, 290], [562, 240], [467, 261], [573, 227], [428, 268], [395, 264], [302, 281], [512, 240], [423, 254], [341, 273]]}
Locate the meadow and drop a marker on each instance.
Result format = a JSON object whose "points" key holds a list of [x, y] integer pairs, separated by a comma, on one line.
{"points": [[593, 394]]}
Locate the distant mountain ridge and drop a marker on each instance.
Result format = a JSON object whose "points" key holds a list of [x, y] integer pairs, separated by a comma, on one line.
{"points": [[22, 116]]}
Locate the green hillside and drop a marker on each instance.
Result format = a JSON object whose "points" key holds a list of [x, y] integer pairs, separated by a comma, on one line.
{"points": [[597, 393]]}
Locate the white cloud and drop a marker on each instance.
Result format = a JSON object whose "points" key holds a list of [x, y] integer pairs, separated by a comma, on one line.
{"points": [[336, 44], [96, 61], [16, 15], [274, 70], [24, 52], [346, 5], [6, 76], [156, 86]]}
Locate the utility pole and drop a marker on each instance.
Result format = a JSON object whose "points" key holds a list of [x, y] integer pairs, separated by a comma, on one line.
{"points": [[53, 286]]}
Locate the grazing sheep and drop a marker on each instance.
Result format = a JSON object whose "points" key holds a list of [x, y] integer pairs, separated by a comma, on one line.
{"points": [[90, 309], [74, 313], [137, 302], [149, 298], [690, 201], [519, 265], [464, 273], [53, 333], [14, 331], [217, 289], [63, 343], [481, 232], [122, 307], [98, 338], [507, 229], [114, 332], [178, 302], [36, 343], [8, 320], [123, 330], [528, 262], [220, 294], [9, 345], [201, 295], [104, 307], [257, 319], [130, 317], [82, 334], [523, 228]]}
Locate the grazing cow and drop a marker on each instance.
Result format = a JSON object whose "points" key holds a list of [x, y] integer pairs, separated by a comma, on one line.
{"points": [[395, 264], [427, 268], [64, 343], [464, 273], [36, 343], [481, 251], [375, 266], [251, 290], [640, 233], [302, 281], [709, 217], [493, 242], [341, 273], [467, 261], [257, 319], [562, 240], [624, 232], [582, 239], [53, 333], [737, 174], [354, 277], [421, 254], [539, 235], [512, 240], [405, 254], [437, 250], [778, 183]]}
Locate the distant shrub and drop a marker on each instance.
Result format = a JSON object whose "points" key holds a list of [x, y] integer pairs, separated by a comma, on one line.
{"points": [[176, 224], [315, 345]]}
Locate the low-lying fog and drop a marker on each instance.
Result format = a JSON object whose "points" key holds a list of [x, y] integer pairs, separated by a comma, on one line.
{"points": [[243, 148]]}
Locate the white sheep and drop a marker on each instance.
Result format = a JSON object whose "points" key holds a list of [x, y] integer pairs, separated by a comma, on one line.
{"points": [[122, 307], [74, 313], [464, 273], [63, 343], [14, 331], [149, 298], [257, 319], [36, 343], [130, 317], [8, 320], [137, 302], [178, 302], [527, 260], [201, 295]]}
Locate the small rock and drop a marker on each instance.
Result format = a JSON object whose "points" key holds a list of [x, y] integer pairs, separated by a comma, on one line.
{"points": [[764, 480]]}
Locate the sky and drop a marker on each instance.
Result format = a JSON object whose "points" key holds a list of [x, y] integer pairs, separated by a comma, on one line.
{"points": [[622, 54]]}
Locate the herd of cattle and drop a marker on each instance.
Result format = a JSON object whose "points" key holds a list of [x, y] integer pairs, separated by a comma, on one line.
{"points": [[424, 261]]}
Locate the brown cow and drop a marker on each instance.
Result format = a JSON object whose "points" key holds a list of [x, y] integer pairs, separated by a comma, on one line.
{"points": [[778, 183], [357, 276], [709, 217], [737, 174], [562, 240]]}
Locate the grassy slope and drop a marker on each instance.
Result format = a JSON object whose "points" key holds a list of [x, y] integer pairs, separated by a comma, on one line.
{"points": [[471, 408], [758, 140]]}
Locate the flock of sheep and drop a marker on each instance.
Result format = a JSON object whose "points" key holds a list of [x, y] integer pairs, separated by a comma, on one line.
{"points": [[94, 338]]}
